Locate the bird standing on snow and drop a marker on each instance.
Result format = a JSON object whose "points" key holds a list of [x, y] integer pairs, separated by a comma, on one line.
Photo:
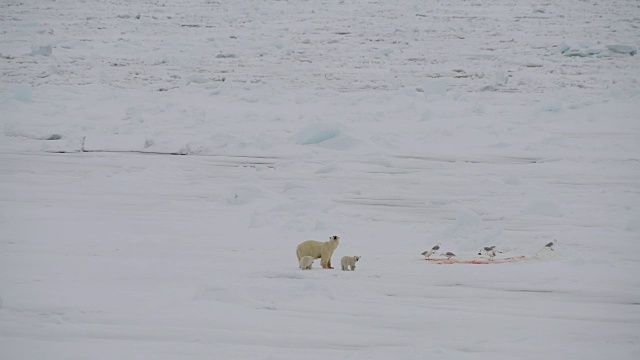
{"points": [[427, 253], [449, 255], [431, 252], [490, 251], [550, 245], [486, 249]]}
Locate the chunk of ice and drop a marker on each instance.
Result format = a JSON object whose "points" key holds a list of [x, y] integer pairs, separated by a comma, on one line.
{"points": [[23, 92], [622, 49]]}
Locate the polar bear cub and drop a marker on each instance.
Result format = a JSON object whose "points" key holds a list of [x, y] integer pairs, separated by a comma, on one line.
{"points": [[306, 262], [318, 250], [349, 261]]}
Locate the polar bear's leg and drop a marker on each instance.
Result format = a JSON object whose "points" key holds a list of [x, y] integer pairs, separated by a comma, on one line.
{"points": [[330, 252]]}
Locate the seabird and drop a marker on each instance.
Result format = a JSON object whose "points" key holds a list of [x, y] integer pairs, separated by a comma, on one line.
{"points": [[486, 249], [492, 254], [433, 250], [427, 253], [550, 245], [449, 255]]}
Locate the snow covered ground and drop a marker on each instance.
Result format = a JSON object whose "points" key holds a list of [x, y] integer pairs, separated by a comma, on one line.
{"points": [[161, 160]]}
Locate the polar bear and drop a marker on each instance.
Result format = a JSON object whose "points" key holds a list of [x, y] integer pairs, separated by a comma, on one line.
{"points": [[306, 262], [349, 261], [319, 250]]}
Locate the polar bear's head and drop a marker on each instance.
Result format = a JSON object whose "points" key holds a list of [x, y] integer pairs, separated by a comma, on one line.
{"points": [[356, 258], [334, 238]]}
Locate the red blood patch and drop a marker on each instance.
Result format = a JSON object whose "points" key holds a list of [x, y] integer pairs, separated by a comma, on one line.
{"points": [[477, 261]]}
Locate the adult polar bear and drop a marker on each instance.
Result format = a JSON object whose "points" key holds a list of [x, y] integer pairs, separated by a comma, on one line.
{"points": [[319, 250]]}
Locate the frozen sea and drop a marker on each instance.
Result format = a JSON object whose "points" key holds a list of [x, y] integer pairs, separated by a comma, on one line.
{"points": [[161, 160]]}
